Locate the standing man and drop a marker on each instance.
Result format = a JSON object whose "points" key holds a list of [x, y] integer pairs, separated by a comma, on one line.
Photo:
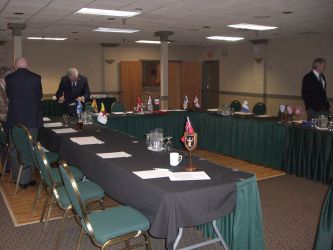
{"points": [[314, 89], [72, 88], [24, 92]]}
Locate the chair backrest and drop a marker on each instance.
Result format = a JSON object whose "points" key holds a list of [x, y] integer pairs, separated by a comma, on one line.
{"points": [[89, 108], [259, 108], [117, 107], [43, 165], [236, 105], [24, 144]]}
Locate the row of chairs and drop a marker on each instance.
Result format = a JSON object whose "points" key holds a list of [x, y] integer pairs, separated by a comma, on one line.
{"points": [[66, 188], [258, 109]]}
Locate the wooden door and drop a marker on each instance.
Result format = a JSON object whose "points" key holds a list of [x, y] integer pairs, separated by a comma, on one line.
{"points": [[130, 83], [210, 84], [190, 82], [174, 85]]}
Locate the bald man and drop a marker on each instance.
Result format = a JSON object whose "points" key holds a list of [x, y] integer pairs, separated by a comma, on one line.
{"points": [[24, 92]]}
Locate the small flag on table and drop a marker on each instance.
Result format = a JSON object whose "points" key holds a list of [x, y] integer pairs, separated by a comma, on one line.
{"points": [[196, 102], [185, 103], [245, 106], [188, 128], [102, 118], [79, 108], [150, 105], [94, 105], [139, 105]]}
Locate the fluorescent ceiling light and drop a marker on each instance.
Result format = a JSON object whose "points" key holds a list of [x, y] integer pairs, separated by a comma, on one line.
{"points": [[104, 12], [225, 38], [149, 41], [47, 38], [115, 30], [251, 26]]}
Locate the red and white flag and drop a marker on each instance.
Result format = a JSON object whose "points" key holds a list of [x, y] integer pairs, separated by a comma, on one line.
{"points": [[139, 105], [188, 128]]}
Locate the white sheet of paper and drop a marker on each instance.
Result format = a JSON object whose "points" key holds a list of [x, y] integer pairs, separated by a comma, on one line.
{"points": [[64, 130], [151, 174], [119, 113], [86, 140], [46, 119], [53, 124], [112, 155], [188, 176]]}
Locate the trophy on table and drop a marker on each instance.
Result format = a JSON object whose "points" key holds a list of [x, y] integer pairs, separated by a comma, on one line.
{"points": [[190, 142]]}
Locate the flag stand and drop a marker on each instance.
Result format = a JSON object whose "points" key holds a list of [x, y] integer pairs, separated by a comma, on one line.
{"points": [[191, 142]]}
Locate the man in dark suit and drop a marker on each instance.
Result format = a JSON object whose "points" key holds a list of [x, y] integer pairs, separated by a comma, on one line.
{"points": [[72, 88], [24, 92], [314, 89]]}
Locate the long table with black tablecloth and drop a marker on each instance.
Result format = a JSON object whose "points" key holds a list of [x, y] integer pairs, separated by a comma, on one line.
{"points": [[229, 195], [254, 140], [51, 107]]}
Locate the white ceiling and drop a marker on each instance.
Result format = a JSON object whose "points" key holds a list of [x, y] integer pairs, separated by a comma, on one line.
{"points": [[185, 17]]}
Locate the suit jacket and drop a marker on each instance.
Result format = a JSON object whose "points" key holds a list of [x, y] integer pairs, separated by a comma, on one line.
{"points": [[24, 92], [71, 93], [313, 93]]}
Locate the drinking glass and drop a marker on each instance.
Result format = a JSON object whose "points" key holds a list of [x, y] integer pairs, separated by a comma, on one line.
{"points": [[65, 117], [168, 143]]}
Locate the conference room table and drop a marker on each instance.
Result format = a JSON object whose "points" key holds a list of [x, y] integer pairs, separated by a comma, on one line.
{"points": [[51, 107], [230, 196]]}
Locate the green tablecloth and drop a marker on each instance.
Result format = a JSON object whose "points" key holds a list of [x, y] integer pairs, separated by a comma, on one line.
{"points": [[257, 141], [242, 229], [324, 237], [310, 154], [53, 108]]}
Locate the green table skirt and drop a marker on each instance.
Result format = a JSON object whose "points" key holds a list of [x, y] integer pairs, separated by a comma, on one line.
{"points": [[53, 108], [242, 229], [310, 154], [324, 237]]}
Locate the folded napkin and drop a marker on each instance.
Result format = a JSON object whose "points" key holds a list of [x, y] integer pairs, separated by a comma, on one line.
{"points": [[112, 155]]}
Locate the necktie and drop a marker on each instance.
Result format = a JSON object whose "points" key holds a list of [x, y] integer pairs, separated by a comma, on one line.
{"points": [[322, 81]]}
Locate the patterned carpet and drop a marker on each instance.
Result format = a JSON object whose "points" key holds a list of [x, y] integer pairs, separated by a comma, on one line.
{"points": [[291, 208]]}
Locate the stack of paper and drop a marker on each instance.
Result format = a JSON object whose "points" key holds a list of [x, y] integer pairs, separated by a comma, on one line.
{"points": [[86, 140], [112, 155], [53, 124], [46, 119], [189, 176], [151, 174], [64, 130]]}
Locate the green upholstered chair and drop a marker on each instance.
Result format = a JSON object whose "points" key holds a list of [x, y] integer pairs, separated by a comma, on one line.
{"points": [[117, 107], [89, 108], [56, 193], [236, 105], [4, 147], [109, 226], [259, 108]]}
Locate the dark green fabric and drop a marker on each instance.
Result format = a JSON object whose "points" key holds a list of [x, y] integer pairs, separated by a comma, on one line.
{"points": [[115, 222], [89, 108], [117, 107], [52, 157], [309, 154], [324, 236], [53, 108], [257, 141], [23, 146], [236, 105], [259, 108], [77, 173], [242, 229]]}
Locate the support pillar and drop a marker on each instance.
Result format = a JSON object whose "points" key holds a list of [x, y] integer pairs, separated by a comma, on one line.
{"points": [[164, 62], [17, 38]]}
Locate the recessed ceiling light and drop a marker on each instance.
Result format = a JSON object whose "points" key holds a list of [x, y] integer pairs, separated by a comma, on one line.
{"points": [[251, 26], [206, 27], [115, 30], [262, 17], [111, 18], [287, 12], [149, 41], [105, 12], [18, 13], [75, 32], [47, 38], [225, 38]]}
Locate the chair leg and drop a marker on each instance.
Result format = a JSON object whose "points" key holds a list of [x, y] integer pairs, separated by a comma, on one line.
{"points": [[37, 195], [79, 239], [44, 209], [4, 167], [18, 179], [48, 213], [147, 239], [61, 227]]}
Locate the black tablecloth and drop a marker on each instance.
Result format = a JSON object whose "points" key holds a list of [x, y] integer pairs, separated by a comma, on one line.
{"points": [[168, 205]]}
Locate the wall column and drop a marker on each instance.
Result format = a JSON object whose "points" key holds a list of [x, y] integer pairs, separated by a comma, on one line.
{"points": [[164, 62], [17, 38]]}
